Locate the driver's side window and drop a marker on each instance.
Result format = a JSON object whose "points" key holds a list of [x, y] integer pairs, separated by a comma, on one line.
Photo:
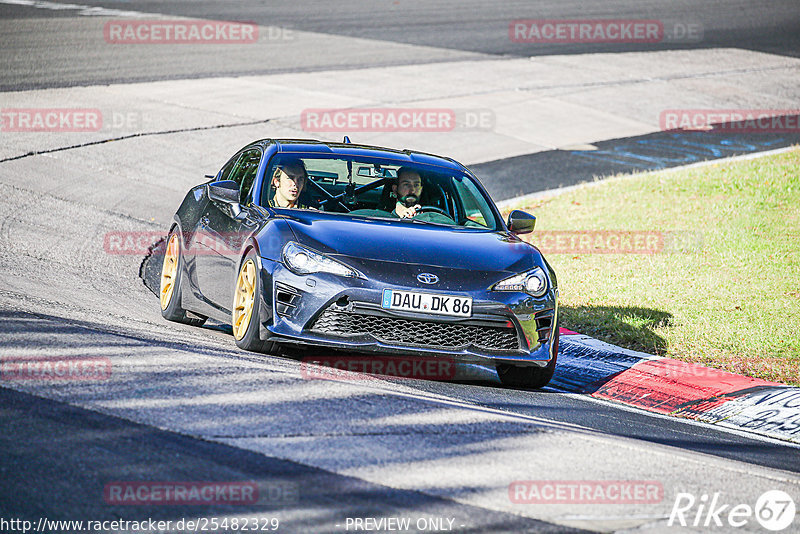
{"points": [[225, 173], [244, 172]]}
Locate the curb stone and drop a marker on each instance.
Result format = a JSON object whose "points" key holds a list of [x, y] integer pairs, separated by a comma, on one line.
{"points": [[672, 387]]}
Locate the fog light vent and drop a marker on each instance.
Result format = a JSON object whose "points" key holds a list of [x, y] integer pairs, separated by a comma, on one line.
{"points": [[544, 323], [286, 299]]}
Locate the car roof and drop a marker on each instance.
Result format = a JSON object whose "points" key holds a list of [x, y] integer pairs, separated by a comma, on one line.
{"points": [[311, 146]]}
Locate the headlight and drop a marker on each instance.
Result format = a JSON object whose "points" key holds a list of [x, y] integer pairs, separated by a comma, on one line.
{"points": [[302, 260], [533, 282]]}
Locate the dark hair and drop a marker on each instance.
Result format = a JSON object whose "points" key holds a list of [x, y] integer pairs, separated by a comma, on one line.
{"points": [[293, 164], [402, 170]]}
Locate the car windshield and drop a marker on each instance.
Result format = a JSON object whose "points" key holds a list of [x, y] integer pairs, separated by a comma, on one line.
{"points": [[373, 188]]}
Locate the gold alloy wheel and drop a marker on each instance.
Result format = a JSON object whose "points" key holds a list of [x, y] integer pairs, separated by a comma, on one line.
{"points": [[169, 271], [244, 298]]}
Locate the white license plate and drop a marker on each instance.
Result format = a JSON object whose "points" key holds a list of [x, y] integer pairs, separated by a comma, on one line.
{"points": [[427, 303]]}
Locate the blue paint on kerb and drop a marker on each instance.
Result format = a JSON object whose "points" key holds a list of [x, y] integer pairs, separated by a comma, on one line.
{"points": [[676, 149]]}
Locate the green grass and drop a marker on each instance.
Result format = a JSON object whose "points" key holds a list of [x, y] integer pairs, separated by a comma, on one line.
{"points": [[725, 292]]}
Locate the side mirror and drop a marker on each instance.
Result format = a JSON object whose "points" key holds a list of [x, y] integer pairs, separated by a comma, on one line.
{"points": [[520, 222], [226, 193]]}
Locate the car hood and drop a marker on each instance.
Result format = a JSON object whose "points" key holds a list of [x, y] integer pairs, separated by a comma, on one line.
{"points": [[412, 243]]}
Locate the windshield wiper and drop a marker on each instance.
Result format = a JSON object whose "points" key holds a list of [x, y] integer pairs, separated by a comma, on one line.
{"points": [[420, 221]]}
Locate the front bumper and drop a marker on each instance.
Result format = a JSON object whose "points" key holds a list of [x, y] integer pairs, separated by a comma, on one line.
{"points": [[324, 310]]}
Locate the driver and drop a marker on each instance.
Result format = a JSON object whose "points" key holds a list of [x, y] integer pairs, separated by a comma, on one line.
{"points": [[288, 181], [407, 191]]}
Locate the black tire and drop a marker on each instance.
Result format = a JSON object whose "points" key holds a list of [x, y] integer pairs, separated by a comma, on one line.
{"points": [[529, 377], [174, 311], [251, 339]]}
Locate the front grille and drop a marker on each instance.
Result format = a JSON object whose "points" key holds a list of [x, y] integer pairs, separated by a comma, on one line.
{"points": [[397, 331]]}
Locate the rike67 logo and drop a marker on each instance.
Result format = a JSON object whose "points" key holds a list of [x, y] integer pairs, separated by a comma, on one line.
{"points": [[774, 510]]}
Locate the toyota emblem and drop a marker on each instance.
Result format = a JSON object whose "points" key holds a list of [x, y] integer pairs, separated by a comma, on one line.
{"points": [[427, 278]]}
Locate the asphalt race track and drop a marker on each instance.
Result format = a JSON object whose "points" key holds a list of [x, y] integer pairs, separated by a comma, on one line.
{"points": [[446, 30], [184, 405]]}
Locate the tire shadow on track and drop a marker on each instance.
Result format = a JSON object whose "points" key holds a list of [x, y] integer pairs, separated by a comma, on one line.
{"points": [[150, 268]]}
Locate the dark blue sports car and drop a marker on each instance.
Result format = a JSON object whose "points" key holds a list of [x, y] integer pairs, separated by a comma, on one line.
{"points": [[363, 249]]}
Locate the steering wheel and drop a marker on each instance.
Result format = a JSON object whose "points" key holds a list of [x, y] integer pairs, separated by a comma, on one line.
{"points": [[425, 209]]}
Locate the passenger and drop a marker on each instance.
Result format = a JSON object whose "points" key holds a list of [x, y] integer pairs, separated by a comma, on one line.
{"points": [[288, 180], [407, 191]]}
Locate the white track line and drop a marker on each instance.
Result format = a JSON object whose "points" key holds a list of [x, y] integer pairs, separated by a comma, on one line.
{"points": [[84, 10]]}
